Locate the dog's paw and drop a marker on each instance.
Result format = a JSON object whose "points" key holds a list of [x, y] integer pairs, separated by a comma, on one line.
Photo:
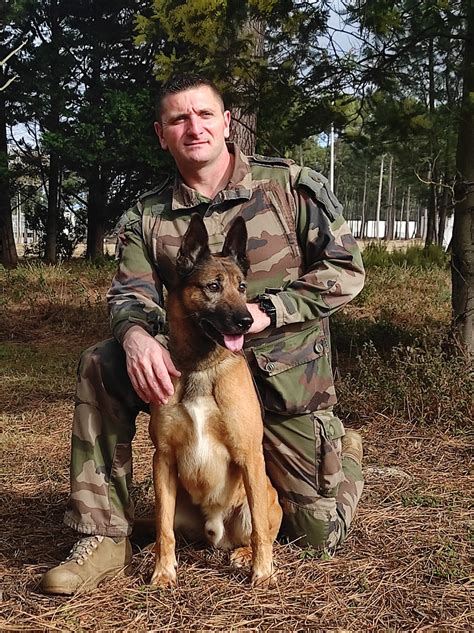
{"points": [[264, 578], [241, 557], [163, 577]]}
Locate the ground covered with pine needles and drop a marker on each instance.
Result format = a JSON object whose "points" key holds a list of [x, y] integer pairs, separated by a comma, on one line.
{"points": [[406, 563]]}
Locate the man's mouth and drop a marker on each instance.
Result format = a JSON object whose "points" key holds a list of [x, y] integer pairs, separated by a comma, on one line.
{"points": [[232, 342]]}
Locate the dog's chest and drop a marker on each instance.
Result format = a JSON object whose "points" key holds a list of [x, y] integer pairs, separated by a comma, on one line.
{"points": [[203, 459], [203, 414]]}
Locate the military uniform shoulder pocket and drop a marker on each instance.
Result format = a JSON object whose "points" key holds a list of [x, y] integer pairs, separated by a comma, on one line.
{"points": [[318, 188], [156, 190], [271, 161]]}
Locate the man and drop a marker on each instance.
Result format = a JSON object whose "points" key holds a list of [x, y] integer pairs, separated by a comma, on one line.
{"points": [[305, 264]]}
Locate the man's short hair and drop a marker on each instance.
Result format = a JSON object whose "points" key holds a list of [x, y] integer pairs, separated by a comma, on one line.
{"points": [[182, 82]]}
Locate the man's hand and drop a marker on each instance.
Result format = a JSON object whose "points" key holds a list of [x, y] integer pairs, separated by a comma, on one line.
{"points": [[149, 366], [260, 320]]}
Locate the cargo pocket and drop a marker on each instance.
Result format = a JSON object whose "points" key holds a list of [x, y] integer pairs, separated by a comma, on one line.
{"points": [[329, 472], [293, 374]]}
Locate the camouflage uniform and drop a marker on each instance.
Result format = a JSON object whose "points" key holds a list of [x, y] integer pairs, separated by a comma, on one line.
{"points": [[301, 253]]}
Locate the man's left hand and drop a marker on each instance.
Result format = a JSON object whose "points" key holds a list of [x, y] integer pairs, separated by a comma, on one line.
{"points": [[260, 320]]}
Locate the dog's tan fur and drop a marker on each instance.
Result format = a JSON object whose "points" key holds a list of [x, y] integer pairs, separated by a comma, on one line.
{"points": [[208, 467]]}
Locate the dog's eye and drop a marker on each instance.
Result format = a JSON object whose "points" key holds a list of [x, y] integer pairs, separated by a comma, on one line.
{"points": [[213, 286], [242, 287]]}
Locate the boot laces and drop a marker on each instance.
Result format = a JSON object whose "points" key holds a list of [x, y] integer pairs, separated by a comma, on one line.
{"points": [[83, 548]]}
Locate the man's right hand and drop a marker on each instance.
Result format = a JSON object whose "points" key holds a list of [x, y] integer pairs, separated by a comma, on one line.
{"points": [[149, 366]]}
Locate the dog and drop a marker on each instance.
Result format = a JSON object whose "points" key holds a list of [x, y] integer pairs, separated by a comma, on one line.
{"points": [[208, 466]]}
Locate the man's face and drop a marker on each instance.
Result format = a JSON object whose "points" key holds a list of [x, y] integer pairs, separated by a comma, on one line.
{"points": [[193, 127]]}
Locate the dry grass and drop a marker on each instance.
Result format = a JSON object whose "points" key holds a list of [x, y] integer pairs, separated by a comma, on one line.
{"points": [[405, 566]]}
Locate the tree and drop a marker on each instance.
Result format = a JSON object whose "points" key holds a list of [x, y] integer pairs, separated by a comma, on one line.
{"points": [[87, 100], [110, 141], [10, 44], [443, 33], [45, 96], [264, 55], [411, 50], [462, 263]]}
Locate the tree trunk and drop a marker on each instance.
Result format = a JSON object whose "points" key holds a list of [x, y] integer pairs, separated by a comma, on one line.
{"points": [[462, 264], [443, 213], [364, 205], [431, 228], [243, 129], [52, 123], [52, 220], [379, 200], [388, 216], [402, 208], [419, 216], [431, 220], [95, 217], [407, 224], [8, 254]]}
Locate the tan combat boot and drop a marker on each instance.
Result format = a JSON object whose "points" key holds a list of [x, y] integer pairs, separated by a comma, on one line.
{"points": [[92, 559], [352, 446]]}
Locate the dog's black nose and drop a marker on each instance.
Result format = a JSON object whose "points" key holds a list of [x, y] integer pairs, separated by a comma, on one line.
{"points": [[244, 323]]}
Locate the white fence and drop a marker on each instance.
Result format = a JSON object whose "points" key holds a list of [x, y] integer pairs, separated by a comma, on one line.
{"points": [[402, 231]]}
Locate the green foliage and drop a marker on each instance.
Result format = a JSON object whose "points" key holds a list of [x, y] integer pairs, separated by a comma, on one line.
{"points": [[375, 254], [425, 385], [445, 563], [393, 352], [417, 498], [280, 78]]}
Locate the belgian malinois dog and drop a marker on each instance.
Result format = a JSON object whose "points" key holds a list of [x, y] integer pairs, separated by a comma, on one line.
{"points": [[208, 467]]}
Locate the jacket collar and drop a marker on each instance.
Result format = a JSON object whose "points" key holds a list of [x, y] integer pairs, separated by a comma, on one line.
{"points": [[239, 186]]}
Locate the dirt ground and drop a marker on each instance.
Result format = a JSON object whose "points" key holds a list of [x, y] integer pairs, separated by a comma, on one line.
{"points": [[406, 565]]}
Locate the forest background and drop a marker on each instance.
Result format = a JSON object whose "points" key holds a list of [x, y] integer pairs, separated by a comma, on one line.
{"points": [[394, 80]]}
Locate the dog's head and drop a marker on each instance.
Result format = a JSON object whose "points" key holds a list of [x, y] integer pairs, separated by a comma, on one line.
{"points": [[212, 288]]}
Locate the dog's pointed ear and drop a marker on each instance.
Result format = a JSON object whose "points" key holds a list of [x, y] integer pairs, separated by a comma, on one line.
{"points": [[195, 246], [235, 244]]}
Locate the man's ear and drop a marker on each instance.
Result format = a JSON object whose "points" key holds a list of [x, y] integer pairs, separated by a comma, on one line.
{"points": [[159, 134], [227, 124], [235, 244], [194, 247]]}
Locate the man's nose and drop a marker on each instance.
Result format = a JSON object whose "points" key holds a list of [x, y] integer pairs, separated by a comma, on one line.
{"points": [[194, 125]]}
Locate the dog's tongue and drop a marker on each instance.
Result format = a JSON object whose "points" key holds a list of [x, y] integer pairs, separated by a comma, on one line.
{"points": [[234, 342]]}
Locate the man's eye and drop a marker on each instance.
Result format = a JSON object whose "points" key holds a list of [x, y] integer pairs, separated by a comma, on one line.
{"points": [[213, 286]]}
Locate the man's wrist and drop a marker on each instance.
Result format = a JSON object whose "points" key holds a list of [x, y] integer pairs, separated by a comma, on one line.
{"points": [[132, 332], [267, 306]]}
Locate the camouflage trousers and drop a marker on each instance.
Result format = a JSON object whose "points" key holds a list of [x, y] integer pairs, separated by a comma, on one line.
{"points": [[318, 489]]}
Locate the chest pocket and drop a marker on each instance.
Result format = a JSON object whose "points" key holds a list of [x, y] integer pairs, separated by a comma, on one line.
{"points": [[273, 251]]}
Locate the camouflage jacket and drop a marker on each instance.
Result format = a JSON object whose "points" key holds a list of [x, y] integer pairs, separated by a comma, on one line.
{"points": [[301, 252]]}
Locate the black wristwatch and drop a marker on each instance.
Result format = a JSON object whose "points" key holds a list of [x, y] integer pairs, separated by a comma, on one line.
{"points": [[266, 305]]}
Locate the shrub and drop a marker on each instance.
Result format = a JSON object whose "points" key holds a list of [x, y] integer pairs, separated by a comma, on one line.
{"points": [[423, 385], [376, 254]]}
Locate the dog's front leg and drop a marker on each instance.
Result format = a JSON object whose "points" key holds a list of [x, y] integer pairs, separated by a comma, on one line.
{"points": [[255, 482], [165, 480]]}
